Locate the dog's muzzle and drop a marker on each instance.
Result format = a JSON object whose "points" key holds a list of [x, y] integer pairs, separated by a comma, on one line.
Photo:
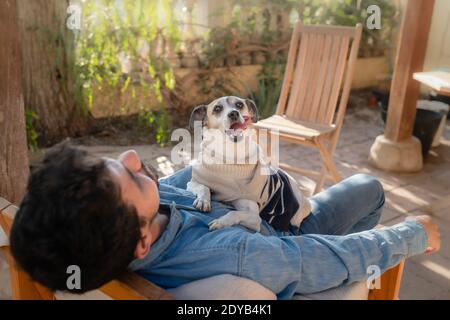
{"points": [[237, 128]]}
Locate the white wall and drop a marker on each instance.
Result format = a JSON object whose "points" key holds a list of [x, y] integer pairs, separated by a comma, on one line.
{"points": [[438, 51]]}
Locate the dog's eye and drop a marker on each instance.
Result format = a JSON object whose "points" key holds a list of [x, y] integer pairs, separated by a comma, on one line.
{"points": [[218, 108], [239, 105]]}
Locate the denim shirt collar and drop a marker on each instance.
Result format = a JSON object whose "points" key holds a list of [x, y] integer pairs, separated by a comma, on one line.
{"points": [[166, 238]]}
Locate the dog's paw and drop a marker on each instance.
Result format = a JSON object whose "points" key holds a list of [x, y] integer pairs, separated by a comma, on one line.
{"points": [[217, 224], [202, 204]]}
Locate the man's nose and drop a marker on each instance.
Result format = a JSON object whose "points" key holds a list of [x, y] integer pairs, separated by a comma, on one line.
{"points": [[131, 160], [233, 115]]}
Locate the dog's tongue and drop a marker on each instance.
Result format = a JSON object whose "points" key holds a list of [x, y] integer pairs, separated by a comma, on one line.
{"points": [[241, 126]]}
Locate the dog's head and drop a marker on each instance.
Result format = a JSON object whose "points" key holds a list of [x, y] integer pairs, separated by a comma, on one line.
{"points": [[231, 115]]}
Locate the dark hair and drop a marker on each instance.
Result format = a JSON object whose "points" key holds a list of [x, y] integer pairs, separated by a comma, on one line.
{"points": [[73, 214]]}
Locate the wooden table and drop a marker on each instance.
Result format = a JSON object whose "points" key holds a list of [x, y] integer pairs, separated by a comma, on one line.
{"points": [[437, 80]]}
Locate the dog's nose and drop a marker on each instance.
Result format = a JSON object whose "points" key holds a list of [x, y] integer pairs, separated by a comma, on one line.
{"points": [[233, 115]]}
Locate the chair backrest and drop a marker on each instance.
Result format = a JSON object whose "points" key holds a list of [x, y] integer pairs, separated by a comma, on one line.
{"points": [[319, 58], [129, 286]]}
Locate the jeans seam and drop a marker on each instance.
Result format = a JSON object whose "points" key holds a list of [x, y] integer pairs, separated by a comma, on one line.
{"points": [[240, 264]]}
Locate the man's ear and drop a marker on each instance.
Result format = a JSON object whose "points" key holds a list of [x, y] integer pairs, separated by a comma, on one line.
{"points": [[253, 110], [198, 114], [143, 246]]}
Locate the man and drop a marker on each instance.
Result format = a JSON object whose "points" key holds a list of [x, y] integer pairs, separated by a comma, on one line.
{"points": [[105, 215]]}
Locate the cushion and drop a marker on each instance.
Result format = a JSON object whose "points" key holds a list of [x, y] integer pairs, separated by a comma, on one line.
{"points": [[354, 291], [222, 287], [229, 287], [90, 295]]}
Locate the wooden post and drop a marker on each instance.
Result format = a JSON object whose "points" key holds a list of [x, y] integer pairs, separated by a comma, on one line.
{"points": [[13, 142], [397, 150], [410, 58]]}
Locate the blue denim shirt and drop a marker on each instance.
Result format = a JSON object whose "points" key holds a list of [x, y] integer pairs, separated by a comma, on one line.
{"points": [[286, 263]]}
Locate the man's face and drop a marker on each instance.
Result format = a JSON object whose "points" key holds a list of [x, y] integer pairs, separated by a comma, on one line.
{"points": [[139, 187]]}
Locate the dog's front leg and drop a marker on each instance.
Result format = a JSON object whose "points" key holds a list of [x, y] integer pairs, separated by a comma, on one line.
{"points": [[246, 214], [203, 194]]}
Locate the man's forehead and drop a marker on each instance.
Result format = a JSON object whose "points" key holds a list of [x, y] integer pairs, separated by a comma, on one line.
{"points": [[120, 176], [110, 162], [114, 167]]}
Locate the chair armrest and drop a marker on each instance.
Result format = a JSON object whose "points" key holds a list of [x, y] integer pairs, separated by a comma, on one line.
{"points": [[131, 286], [390, 284], [7, 214]]}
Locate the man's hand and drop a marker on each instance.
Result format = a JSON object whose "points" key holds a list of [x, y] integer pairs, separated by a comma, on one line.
{"points": [[432, 229]]}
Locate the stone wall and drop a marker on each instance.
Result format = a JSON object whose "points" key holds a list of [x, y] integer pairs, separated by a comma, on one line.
{"points": [[113, 102]]}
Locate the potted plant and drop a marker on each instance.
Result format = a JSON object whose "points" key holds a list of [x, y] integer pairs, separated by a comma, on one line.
{"points": [[426, 124]]}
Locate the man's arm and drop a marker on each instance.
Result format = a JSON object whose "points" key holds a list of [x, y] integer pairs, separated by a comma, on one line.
{"points": [[313, 263], [178, 179]]}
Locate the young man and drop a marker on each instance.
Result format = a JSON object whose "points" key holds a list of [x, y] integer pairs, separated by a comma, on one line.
{"points": [[105, 215]]}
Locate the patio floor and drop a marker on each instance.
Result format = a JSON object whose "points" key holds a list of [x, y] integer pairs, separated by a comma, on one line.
{"points": [[425, 277]]}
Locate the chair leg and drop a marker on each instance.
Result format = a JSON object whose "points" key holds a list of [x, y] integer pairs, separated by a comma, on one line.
{"points": [[328, 169], [328, 161], [266, 143], [320, 182]]}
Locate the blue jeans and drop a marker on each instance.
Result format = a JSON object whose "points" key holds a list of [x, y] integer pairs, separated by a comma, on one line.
{"points": [[333, 246]]}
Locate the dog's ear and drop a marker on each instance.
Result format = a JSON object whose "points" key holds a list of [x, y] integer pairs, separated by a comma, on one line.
{"points": [[198, 114], [253, 109]]}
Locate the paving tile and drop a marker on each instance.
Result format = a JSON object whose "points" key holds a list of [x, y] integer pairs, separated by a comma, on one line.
{"points": [[433, 267], [395, 221], [427, 280], [437, 184], [415, 287], [445, 295], [388, 215], [409, 198], [440, 209]]}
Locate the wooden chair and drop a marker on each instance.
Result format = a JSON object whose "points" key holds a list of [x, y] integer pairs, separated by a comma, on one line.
{"points": [[131, 286], [317, 79]]}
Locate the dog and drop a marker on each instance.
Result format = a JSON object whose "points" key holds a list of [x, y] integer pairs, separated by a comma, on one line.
{"points": [[255, 189]]}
